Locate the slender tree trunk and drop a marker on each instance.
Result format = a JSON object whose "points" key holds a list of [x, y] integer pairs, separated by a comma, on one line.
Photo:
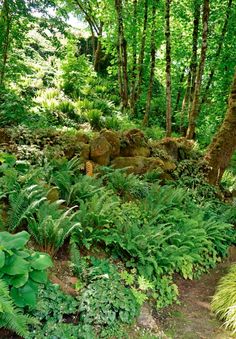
{"points": [[218, 51], [138, 84], [152, 67], [142, 50], [188, 96], [181, 80], [6, 40], [168, 69], [122, 56], [194, 108], [134, 57], [98, 52], [93, 41], [223, 145]]}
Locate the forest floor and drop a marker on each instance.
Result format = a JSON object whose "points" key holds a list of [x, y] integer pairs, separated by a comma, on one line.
{"points": [[192, 319]]}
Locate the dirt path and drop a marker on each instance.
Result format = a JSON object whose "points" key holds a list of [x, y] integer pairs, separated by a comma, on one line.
{"points": [[192, 319]]}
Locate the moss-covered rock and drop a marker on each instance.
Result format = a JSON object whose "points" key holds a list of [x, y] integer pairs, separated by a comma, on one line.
{"points": [[114, 140], [100, 150], [141, 165]]}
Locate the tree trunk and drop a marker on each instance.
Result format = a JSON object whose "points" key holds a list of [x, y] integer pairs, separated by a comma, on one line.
{"points": [[122, 56], [168, 69], [223, 145], [218, 51], [194, 108], [181, 80], [188, 97], [6, 39], [134, 57], [98, 51], [152, 66], [138, 84]]}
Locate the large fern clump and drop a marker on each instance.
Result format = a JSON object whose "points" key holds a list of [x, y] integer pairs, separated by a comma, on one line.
{"points": [[224, 300], [50, 225]]}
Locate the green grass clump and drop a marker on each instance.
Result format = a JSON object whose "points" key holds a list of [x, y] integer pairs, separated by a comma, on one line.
{"points": [[224, 300]]}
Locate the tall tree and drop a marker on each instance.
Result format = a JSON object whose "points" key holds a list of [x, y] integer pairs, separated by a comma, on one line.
{"points": [[122, 55], [223, 145], [168, 68], [137, 86], [195, 103], [152, 66], [187, 100], [88, 9], [5, 25], [217, 53]]}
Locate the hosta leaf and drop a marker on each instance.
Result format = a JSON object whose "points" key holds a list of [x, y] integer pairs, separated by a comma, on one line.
{"points": [[16, 265], [19, 280], [39, 276], [14, 241], [24, 296], [2, 259], [41, 261]]}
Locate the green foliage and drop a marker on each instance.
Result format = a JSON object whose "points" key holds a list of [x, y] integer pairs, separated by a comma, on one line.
{"points": [[23, 270], [11, 317], [127, 185], [52, 307], [105, 301], [224, 299], [51, 225], [23, 203]]}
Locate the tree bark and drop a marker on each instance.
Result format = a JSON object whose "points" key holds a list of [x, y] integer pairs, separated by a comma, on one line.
{"points": [[134, 56], [152, 67], [187, 100], [223, 145], [218, 51], [138, 84], [98, 51], [181, 80], [168, 69], [122, 56], [6, 40], [194, 107]]}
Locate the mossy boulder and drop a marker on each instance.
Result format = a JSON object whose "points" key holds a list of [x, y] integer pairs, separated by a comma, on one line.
{"points": [[176, 149], [134, 143], [79, 149], [141, 165], [100, 150], [114, 140]]}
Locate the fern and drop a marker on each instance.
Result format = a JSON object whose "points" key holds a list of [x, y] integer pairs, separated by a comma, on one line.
{"points": [[50, 225], [10, 317], [23, 203]]}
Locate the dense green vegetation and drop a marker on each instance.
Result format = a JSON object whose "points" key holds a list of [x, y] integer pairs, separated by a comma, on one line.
{"points": [[89, 185]]}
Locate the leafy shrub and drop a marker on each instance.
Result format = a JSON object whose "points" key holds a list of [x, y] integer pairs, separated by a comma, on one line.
{"points": [[224, 300], [105, 301], [23, 270], [52, 307]]}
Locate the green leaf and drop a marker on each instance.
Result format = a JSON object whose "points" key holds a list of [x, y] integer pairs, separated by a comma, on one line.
{"points": [[19, 280], [24, 296], [2, 259], [39, 276], [14, 241], [41, 261], [16, 265]]}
